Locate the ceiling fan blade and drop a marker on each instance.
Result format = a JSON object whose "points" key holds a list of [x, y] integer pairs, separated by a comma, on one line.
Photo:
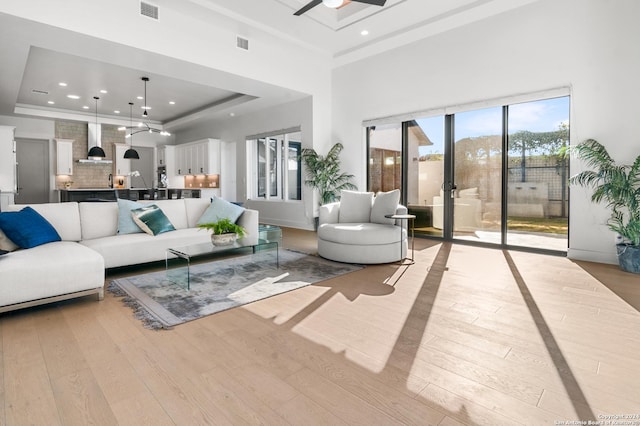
{"points": [[374, 2], [310, 5]]}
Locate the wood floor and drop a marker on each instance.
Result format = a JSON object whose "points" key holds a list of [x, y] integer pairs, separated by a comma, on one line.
{"points": [[466, 335]]}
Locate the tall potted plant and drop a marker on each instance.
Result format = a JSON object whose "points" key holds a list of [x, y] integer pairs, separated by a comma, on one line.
{"points": [[618, 186], [323, 173]]}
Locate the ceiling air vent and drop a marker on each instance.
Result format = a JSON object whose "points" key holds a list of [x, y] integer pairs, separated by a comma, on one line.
{"points": [[39, 92], [242, 43], [149, 10]]}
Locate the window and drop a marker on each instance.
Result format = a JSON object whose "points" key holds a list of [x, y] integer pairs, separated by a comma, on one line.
{"points": [[277, 170]]}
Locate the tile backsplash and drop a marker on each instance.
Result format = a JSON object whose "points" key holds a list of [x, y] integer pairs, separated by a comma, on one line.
{"points": [[87, 175]]}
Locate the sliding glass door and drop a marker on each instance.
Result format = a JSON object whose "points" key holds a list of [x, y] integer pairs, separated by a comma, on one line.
{"points": [[538, 171], [385, 157], [425, 174], [477, 175], [495, 175]]}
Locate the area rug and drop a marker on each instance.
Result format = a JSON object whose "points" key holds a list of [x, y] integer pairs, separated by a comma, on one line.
{"points": [[221, 285]]}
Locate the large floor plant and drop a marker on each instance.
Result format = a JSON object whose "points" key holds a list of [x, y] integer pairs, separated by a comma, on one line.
{"points": [[619, 187], [323, 173]]}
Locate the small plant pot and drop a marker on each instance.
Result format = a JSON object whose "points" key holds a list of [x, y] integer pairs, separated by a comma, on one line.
{"points": [[223, 239], [629, 258]]}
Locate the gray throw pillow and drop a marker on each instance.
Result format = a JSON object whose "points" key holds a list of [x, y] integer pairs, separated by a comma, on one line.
{"points": [[385, 203]]}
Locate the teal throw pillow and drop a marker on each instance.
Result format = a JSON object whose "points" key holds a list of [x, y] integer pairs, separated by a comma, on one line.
{"points": [[27, 228], [152, 220], [221, 209], [126, 225]]}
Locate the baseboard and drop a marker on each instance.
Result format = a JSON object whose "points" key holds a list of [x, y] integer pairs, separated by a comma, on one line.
{"points": [[593, 256]]}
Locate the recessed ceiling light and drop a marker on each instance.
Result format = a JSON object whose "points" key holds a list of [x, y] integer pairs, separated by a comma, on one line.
{"points": [[85, 107], [364, 32], [103, 91], [232, 114], [116, 112], [172, 103], [51, 102], [145, 107], [140, 97], [73, 96], [62, 84]]}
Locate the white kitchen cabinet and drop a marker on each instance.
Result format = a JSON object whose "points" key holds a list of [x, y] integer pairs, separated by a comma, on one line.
{"points": [[179, 165], [64, 156], [7, 159], [198, 158], [162, 156], [121, 165], [7, 166]]}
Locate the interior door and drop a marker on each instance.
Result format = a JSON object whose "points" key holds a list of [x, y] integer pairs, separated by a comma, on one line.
{"points": [[145, 166], [32, 156]]}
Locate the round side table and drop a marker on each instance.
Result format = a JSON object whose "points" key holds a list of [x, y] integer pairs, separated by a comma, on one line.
{"points": [[404, 218]]}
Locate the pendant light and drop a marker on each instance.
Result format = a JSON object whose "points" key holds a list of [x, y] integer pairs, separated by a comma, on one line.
{"points": [[131, 153], [145, 79], [95, 150]]}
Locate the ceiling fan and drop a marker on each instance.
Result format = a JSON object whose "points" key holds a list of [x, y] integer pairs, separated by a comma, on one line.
{"points": [[336, 4]]}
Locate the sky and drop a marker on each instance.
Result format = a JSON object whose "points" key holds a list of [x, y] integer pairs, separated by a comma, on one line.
{"points": [[538, 116]]}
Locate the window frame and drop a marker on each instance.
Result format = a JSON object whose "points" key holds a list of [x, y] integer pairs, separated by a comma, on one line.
{"points": [[276, 147]]}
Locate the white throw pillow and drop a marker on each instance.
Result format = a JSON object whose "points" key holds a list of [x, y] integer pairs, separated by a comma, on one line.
{"points": [[385, 203], [355, 207], [6, 244]]}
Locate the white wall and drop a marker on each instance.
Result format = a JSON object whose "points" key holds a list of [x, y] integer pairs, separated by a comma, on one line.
{"points": [[590, 45], [236, 129]]}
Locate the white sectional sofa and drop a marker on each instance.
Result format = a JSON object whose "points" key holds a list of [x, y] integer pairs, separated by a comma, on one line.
{"points": [[355, 230], [90, 243]]}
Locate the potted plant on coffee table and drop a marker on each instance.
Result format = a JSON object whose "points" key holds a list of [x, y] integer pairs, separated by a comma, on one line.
{"points": [[224, 232], [618, 186]]}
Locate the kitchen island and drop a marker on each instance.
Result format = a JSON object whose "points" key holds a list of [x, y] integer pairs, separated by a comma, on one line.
{"points": [[111, 194]]}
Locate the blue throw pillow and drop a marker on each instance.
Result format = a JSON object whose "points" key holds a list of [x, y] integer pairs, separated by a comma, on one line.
{"points": [[152, 220], [27, 228], [126, 225], [220, 209]]}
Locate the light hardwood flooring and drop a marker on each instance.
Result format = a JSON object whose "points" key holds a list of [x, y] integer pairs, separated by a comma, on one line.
{"points": [[466, 335]]}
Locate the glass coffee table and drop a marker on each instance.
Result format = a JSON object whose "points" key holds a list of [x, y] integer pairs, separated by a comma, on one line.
{"points": [[181, 275]]}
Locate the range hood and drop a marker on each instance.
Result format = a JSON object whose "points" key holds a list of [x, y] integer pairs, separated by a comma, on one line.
{"points": [[94, 134]]}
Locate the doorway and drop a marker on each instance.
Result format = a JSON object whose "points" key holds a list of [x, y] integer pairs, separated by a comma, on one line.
{"points": [[32, 158], [145, 166]]}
